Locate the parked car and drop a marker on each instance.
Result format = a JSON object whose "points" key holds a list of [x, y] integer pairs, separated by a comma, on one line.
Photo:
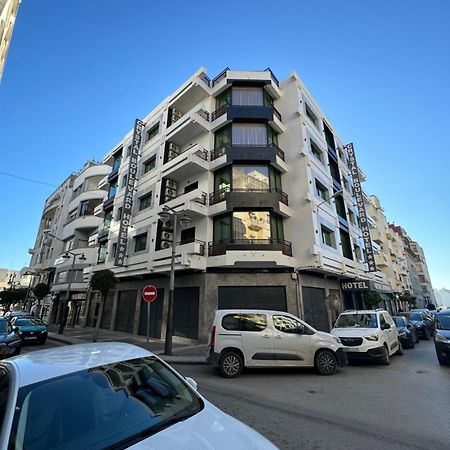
{"points": [[30, 329], [423, 322], [10, 343], [263, 338], [109, 395], [424, 310], [406, 332], [442, 336], [368, 334], [11, 314]]}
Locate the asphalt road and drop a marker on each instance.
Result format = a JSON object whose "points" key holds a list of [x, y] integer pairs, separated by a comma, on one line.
{"points": [[365, 406]]}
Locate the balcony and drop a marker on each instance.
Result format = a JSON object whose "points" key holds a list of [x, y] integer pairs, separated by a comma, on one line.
{"points": [[189, 255], [191, 94], [230, 153], [194, 203], [216, 248], [188, 127], [81, 223], [190, 162], [96, 194]]}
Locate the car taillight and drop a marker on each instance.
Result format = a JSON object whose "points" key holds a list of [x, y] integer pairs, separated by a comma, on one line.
{"points": [[213, 337]]}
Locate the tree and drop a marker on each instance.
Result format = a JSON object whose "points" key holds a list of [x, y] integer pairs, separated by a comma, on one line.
{"points": [[372, 299], [103, 281], [408, 298], [10, 296], [40, 291]]}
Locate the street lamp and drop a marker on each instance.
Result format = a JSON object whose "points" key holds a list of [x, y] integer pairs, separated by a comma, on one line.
{"points": [[166, 215], [81, 257], [336, 194]]}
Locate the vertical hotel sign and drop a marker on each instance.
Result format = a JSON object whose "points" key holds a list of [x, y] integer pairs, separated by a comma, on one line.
{"points": [[358, 193], [128, 197]]}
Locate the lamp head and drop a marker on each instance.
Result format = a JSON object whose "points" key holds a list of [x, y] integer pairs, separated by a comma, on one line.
{"points": [[82, 257], [185, 221], [66, 256], [164, 216]]}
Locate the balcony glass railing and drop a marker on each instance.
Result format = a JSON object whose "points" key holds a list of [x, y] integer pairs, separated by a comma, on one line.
{"points": [[220, 151], [224, 108], [220, 247], [219, 196]]}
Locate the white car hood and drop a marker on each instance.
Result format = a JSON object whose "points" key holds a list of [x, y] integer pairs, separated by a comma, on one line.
{"points": [[209, 429], [326, 336], [354, 332]]}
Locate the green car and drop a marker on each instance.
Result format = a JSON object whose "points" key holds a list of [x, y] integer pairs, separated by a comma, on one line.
{"points": [[30, 329]]}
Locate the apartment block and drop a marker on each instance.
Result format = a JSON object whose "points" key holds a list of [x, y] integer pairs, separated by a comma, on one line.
{"points": [[264, 181], [8, 14]]}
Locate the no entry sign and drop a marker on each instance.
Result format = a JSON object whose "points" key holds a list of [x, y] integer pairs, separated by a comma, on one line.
{"points": [[149, 293]]}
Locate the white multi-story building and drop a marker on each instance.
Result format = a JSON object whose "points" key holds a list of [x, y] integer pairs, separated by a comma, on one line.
{"points": [[442, 297], [8, 14], [258, 169]]}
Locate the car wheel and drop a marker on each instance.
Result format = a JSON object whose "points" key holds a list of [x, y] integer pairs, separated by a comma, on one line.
{"points": [[385, 359], [427, 335], [400, 349], [231, 364], [326, 363], [441, 360], [417, 339], [411, 342], [43, 341]]}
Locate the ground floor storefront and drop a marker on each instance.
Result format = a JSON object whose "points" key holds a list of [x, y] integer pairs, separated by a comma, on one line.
{"points": [[313, 297]]}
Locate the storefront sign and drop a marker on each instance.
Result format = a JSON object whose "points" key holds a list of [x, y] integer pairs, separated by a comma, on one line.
{"points": [[79, 296], [128, 197], [365, 285], [364, 223]]}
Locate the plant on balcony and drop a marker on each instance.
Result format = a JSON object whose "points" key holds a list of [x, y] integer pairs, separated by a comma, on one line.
{"points": [[103, 281], [40, 291], [372, 299]]}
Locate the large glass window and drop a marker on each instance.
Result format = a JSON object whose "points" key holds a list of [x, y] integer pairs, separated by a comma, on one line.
{"points": [[223, 99], [112, 189], [101, 258], [251, 96], [222, 228], [222, 179], [250, 177], [346, 244], [107, 219], [222, 137], [276, 225], [328, 237], [249, 134], [150, 164], [145, 201], [117, 160], [249, 225], [111, 406], [140, 242]]}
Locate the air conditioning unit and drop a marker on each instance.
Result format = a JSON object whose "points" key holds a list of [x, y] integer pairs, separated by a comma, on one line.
{"points": [[166, 236], [165, 244], [174, 148], [171, 184], [167, 227], [171, 155], [170, 193], [175, 115]]}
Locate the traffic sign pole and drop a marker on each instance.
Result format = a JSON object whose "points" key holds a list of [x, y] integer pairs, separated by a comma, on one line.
{"points": [[148, 321], [149, 294]]}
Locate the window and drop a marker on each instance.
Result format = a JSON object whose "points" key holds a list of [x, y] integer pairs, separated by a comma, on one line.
{"points": [[152, 132], [223, 99], [346, 184], [334, 169], [222, 137], [102, 251], [4, 386], [249, 134], [231, 322], [351, 216], [117, 160], [250, 177], [346, 245], [140, 242], [69, 245], [340, 206], [358, 253], [62, 277], [112, 190], [288, 325], [72, 214], [222, 179], [187, 235], [251, 225], [107, 219], [276, 228], [312, 117], [145, 201], [114, 249], [253, 322], [315, 150], [150, 164], [251, 96], [128, 151], [119, 213], [191, 187], [328, 237], [222, 228], [322, 191], [329, 137], [124, 180]]}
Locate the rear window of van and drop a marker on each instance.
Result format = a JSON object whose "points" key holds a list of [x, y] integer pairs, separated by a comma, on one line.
{"points": [[244, 322]]}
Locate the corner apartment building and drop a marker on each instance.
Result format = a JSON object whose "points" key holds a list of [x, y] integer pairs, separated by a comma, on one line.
{"points": [[390, 255], [259, 170], [8, 14], [421, 286], [67, 222]]}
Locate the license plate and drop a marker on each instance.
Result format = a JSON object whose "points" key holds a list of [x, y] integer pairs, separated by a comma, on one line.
{"points": [[30, 337]]}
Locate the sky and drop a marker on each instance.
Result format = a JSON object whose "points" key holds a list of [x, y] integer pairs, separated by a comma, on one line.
{"points": [[79, 72]]}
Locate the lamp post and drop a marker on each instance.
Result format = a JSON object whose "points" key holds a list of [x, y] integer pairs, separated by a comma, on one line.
{"points": [[336, 194], [166, 215], [81, 257]]}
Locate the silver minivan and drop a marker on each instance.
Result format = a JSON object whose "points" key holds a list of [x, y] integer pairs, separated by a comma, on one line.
{"points": [[263, 338]]}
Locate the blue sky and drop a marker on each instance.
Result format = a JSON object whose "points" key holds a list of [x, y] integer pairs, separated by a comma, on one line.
{"points": [[80, 71]]}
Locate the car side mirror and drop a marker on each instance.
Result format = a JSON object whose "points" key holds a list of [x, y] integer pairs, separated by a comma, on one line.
{"points": [[386, 326], [191, 382]]}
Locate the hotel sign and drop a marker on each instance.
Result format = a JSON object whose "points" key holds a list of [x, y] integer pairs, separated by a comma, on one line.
{"points": [[128, 197], [365, 285], [364, 223]]}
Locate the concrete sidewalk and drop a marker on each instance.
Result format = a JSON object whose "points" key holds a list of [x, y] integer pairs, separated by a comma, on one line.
{"points": [[182, 353]]}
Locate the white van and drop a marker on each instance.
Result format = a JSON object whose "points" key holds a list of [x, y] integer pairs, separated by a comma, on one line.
{"points": [[262, 338]]}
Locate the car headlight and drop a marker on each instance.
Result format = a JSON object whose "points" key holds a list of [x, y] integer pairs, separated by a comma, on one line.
{"points": [[337, 340], [439, 338], [371, 338], [419, 325]]}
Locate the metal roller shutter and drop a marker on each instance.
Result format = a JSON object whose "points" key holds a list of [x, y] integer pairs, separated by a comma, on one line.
{"points": [[252, 297], [185, 312], [125, 311], [314, 308], [107, 311]]}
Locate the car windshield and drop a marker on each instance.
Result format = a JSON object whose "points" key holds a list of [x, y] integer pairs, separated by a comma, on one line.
{"points": [[115, 405], [3, 326], [414, 316], [367, 320], [399, 321], [443, 321], [28, 322]]}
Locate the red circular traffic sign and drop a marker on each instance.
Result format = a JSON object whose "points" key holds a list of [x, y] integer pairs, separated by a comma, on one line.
{"points": [[149, 293]]}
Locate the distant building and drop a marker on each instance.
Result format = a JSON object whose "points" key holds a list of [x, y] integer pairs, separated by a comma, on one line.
{"points": [[8, 14], [9, 278], [442, 297]]}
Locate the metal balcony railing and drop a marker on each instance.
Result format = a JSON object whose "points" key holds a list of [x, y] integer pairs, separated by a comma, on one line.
{"points": [[224, 108], [220, 151], [221, 246], [219, 196]]}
